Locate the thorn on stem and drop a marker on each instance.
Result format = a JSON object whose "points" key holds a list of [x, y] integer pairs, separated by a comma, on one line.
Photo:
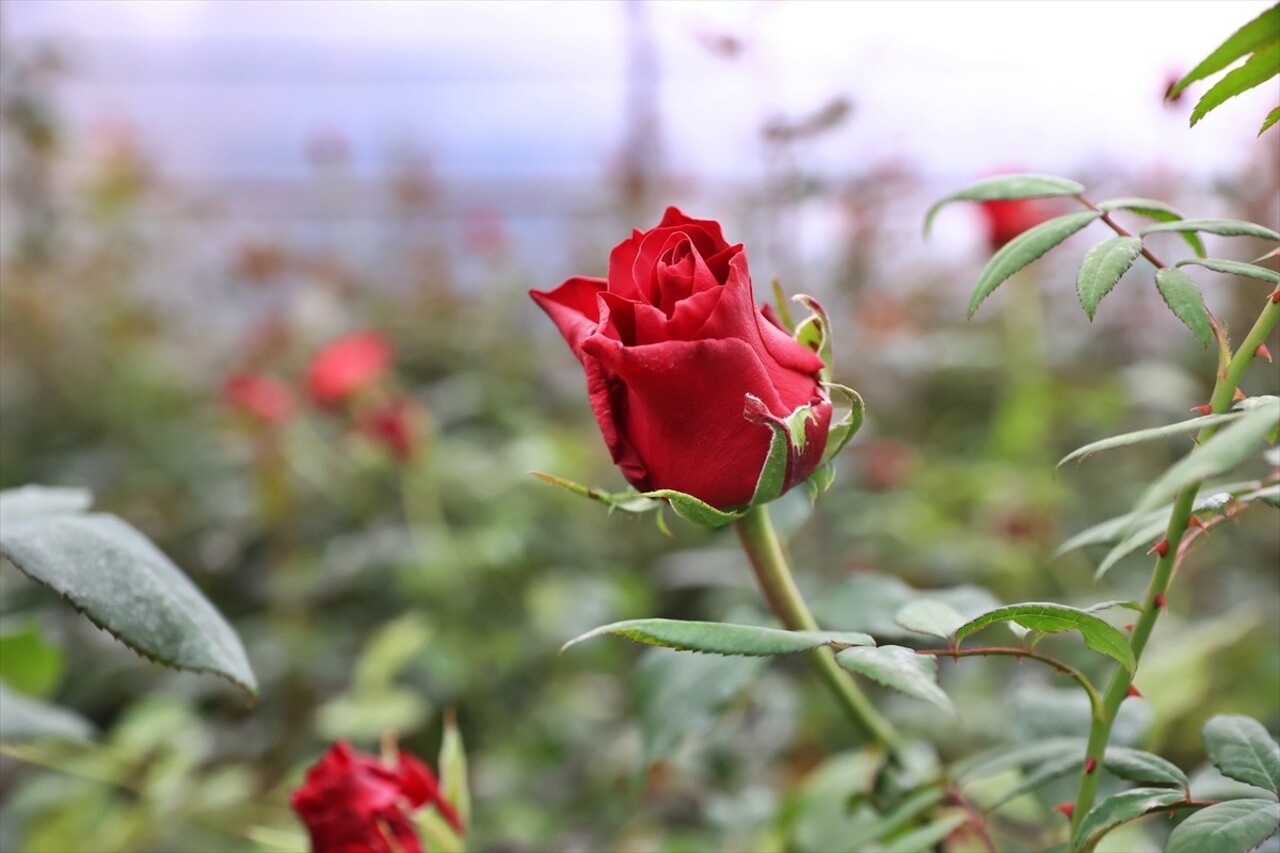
{"points": [[1160, 600], [1090, 765], [1275, 298], [1238, 396], [1129, 627], [1205, 409], [1262, 352], [1134, 691], [1194, 521], [1067, 810], [1161, 548]]}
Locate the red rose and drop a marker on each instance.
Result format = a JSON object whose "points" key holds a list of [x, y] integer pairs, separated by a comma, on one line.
{"points": [[672, 344], [393, 427], [264, 397], [353, 803], [1007, 219], [347, 366]]}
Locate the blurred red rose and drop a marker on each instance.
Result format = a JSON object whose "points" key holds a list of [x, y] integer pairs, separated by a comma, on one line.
{"points": [[672, 344], [393, 426], [347, 366], [1006, 219], [263, 397], [354, 803]]}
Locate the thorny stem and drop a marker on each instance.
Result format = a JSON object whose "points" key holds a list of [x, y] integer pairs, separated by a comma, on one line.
{"points": [[1230, 371], [1095, 702], [764, 551]]}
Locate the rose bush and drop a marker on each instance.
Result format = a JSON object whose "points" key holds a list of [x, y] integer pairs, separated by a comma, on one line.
{"points": [[675, 348], [354, 803]]}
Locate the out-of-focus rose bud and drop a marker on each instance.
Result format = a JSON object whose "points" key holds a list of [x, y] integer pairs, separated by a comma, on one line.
{"points": [[347, 366], [1006, 219], [394, 426], [263, 397]]}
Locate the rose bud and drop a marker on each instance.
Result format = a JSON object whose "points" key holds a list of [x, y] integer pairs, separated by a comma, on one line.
{"points": [[393, 426], [687, 377], [1006, 219], [352, 802], [263, 397], [346, 366]]}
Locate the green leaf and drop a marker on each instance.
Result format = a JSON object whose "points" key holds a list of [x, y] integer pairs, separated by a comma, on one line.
{"points": [[1234, 268], [23, 718], [453, 769], [1138, 766], [902, 815], [1253, 35], [1047, 772], [926, 837], [843, 430], [1272, 118], [31, 502], [28, 663], [720, 638], [125, 585], [1157, 210], [438, 835], [1002, 758], [1148, 534], [935, 618], [1235, 826], [1052, 618], [691, 509], [1006, 187], [623, 501], [1258, 69], [1244, 750], [1103, 267], [1024, 249], [1222, 227], [1184, 300], [1123, 807], [1227, 449], [1139, 436], [868, 601], [900, 668]]}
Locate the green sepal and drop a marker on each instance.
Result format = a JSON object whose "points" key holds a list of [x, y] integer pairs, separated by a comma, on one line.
{"points": [[840, 433], [820, 480], [783, 309], [692, 509], [814, 332], [686, 506], [628, 501], [788, 437]]}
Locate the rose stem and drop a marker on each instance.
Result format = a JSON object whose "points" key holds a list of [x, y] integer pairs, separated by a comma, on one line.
{"points": [[759, 540]]}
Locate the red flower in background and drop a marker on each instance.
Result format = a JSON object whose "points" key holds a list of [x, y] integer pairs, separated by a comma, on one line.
{"points": [[347, 366], [1006, 219], [263, 397], [672, 344], [392, 426], [353, 803]]}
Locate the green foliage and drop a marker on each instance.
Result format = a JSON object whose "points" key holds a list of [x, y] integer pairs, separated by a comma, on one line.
{"points": [[1157, 210], [900, 668], [1103, 267], [24, 718], [1053, 618], [1023, 249], [1234, 268], [1235, 826], [1241, 748], [122, 582], [1006, 187], [1126, 806], [719, 638], [1260, 41], [1130, 438], [28, 662], [1223, 227], [1184, 300]]}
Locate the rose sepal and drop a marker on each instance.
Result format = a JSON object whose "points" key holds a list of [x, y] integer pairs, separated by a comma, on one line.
{"points": [[840, 433], [814, 332], [788, 441]]}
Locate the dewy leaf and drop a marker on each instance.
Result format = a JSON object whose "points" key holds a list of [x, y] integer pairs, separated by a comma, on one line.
{"points": [[1125, 806], [1184, 300], [1272, 118], [1103, 267], [1227, 449], [1006, 187], [1157, 210], [1235, 826], [28, 502], [1222, 227], [23, 718], [1128, 438], [1052, 618], [1258, 69], [1234, 268], [1257, 33], [720, 638], [1024, 249], [935, 618], [1243, 749], [125, 585], [1138, 766], [900, 668]]}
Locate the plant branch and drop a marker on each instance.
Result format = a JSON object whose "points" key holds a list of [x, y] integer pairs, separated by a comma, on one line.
{"points": [[1121, 230], [1095, 702], [764, 551]]}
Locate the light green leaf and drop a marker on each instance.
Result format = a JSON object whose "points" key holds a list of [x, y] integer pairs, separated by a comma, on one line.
{"points": [[691, 509], [720, 638], [926, 837], [1025, 248], [1107, 605], [902, 815], [1272, 118], [1235, 826], [900, 668], [1103, 267], [1243, 749], [1005, 187], [1227, 449], [1253, 35], [30, 502], [1146, 535], [438, 835], [1052, 618], [453, 769], [1184, 300], [1234, 268], [935, 618], [125, 585], [1157, 210], [814, 332], [1123, 807], [1222, 227], [1258, 69], [1138, 766], [23, 718], [1047, 772], [1002, 758], [1139, 436], [29, 663]]}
